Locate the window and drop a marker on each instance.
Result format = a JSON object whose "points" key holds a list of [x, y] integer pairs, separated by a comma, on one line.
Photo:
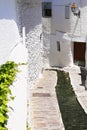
{"points": [[46, 9], [58, 46], [67, 12]]}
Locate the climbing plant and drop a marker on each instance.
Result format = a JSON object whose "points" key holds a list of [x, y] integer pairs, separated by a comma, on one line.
{"points": [[7, 75]]}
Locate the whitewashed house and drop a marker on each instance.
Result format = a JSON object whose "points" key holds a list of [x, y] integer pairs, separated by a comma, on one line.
{"points": [[67, 32], [20, 24], [21, 27], [12, 48], [52, 34]]}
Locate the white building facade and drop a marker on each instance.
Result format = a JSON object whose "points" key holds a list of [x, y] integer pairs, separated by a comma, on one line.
{"points": [[30, 18], [52, 34], [21, 28], [12, 48], [67, 32]]}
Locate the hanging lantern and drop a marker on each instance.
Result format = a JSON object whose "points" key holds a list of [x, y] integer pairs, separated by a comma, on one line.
{"points": [[75, 9]]}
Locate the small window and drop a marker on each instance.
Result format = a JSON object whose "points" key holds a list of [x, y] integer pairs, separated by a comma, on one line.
{"points": [[46, 9], [58, 46], [67, 12]]}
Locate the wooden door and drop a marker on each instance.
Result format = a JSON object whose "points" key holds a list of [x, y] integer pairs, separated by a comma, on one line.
{"points": [[79, 51]]}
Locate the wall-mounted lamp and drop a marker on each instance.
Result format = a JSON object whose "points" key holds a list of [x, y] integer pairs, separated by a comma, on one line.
{"points": [[75, 9]]}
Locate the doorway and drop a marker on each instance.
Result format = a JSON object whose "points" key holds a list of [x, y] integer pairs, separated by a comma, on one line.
{"points": [[79, 53]]}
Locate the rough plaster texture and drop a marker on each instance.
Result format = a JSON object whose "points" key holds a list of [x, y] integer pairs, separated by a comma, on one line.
{"points": [[31, 20], [66, 31], [46, 49]]}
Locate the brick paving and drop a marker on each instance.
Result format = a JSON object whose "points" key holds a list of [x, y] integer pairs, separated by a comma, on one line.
{"points": [[44, 109], [43, 106]]}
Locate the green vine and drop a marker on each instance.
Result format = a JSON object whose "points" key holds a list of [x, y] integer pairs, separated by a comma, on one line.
{"points": [[8, 73]]}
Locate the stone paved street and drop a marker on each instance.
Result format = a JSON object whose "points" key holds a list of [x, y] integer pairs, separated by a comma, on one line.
{"points": [[44, 110], [43, 106]]}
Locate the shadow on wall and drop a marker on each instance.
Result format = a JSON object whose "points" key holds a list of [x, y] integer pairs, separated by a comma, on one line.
{"points": [[7, 9], [9, 33], [30, 15]]}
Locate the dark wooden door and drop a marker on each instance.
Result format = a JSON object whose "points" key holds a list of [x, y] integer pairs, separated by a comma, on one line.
{"points": [[79, 51]]}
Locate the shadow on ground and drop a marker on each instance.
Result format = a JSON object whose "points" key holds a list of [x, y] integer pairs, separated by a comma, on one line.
{"points": [[74, 117]]}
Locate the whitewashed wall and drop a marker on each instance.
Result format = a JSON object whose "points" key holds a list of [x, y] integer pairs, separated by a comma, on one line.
{"points": [[9, 34], [11, 48], [64, 56], [58, 21], [31, 20], [65, 30], [83, 25], [74, 25], [18, 116]]}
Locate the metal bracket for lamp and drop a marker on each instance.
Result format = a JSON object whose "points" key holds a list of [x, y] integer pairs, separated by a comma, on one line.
{"points": [[75, 9]]}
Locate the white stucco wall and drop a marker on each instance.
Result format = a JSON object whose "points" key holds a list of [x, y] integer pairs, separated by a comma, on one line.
{"points": [[74, 26], [18, 116], [59, 23], [31, 20], [65, 30], [84, 18], [46, 49], [63, 57], [9, 34], [11, 48]]}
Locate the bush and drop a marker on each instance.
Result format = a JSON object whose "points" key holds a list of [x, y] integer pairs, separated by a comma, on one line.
{"points": [[7, 75]]}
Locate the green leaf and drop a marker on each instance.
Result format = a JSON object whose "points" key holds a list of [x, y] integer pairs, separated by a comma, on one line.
{"points": [[2, 118], [8, 73], [2, 128]]}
